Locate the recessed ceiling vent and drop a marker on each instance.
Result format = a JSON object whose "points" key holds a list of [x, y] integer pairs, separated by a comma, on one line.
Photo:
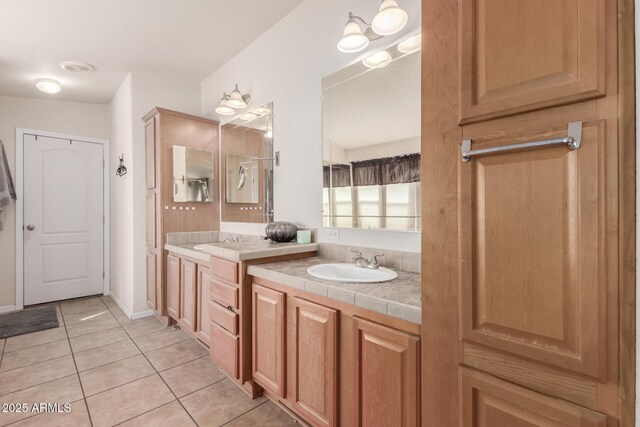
{"points": [[77, 66]]}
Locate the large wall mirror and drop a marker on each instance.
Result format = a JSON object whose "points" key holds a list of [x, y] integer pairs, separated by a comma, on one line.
{"points": [[192, 175], [371, 144], [247, 167]]}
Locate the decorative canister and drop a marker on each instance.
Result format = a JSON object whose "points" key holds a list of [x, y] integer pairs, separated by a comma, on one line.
{"points": [[281, 231]]}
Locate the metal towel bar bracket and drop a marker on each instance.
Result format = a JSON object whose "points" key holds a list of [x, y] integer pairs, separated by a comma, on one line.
{"points": [[572, 141]]}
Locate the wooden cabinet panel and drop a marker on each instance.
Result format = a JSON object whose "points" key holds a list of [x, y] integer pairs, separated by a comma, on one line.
{"points": [[518, 56], [188, 289], [224, 348], [388, 367], [312, 363], [223, 317], [151, 219], [538, 231], [173, 286], [203, 301], [224, 269], [269, 339], [151, 280], [226, 295], [488, 401], [150, 152]]}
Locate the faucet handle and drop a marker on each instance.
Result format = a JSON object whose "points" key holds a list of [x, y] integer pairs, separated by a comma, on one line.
{"points": [[374, 259], [357, 252]]}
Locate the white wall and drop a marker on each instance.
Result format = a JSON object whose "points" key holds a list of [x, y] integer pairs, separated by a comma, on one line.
{"points": [[138, 94], [89, 120], [286, 65]]}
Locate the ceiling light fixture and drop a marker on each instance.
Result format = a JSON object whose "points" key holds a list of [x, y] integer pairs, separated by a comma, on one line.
{"points": [[77, 66], [390, 18], [238, 100], [411, 44], [358, 33], [377, 60], [48, 85], [223, 109]]}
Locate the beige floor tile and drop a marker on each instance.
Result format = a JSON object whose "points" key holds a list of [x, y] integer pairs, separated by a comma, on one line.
{"points": [[74, 319], [128, 401], [84, 305], [32, 355], [161, 338], [29, 376], [98, 339], [265, 415], [176, 354], [77, 417], [104, 355], [219, 403], [108, 301], [192, 376], [141, 327], [63, 390], [169, 415], [115, 374], [35, 338], [91, 326]]}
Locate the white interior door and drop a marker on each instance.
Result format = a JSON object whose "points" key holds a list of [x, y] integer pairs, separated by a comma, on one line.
{"points": [[63, 219]]}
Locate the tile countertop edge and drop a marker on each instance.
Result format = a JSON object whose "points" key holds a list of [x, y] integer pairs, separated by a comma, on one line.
{"points": [[248, 254], [389, 308], [191, 253]]}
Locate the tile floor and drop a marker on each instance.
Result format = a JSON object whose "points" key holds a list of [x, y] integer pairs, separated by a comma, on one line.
{"points": [[115, 371]]}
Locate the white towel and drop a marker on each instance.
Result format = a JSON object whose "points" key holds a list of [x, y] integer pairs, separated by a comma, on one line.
{"points": [[7, 190]]}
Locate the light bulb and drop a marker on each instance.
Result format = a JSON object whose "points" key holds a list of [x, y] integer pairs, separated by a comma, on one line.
{"points": [[390, 18]]}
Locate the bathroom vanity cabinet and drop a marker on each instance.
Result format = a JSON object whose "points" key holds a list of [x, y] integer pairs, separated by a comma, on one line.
{"points": [[333, 363]]}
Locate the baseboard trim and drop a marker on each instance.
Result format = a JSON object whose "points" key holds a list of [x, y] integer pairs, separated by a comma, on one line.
{"points": [[133, 316], [7, 308], [141, 314]]}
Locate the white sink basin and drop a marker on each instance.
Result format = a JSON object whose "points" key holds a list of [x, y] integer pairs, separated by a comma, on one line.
{"points": [[351, 273]]}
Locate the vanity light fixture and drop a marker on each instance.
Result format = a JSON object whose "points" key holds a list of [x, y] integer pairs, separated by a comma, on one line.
{"points": [[358, 33], [238, 100], [410, 44], [48, 85], [248, 117], [223, 109], [377, 60]]}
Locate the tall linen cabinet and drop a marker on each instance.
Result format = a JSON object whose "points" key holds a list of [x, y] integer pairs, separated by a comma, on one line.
{"points": [[162, 130]]}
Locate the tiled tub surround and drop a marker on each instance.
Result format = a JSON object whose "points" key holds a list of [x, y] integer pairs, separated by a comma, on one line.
{"points": [[398, 298], [117, 371]]}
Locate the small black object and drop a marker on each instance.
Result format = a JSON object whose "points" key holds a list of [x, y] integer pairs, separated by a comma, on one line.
{"points": [[281, 231], [122, 170]]}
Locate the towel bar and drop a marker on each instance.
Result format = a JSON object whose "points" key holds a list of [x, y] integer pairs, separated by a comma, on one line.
{"points": [[572, 141]]}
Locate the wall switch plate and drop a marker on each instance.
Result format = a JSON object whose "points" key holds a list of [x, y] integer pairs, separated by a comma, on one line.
{"points": [[333, 234]]}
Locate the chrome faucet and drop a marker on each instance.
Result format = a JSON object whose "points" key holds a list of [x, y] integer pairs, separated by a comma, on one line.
{"points": [[361, 261], [232, 238]]}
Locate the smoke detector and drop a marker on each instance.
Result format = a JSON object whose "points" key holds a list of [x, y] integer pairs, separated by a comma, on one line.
{"points": [[77, 66]]}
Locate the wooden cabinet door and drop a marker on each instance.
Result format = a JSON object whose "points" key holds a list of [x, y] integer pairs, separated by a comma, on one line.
{"points": [[523, 244], [269, 339], [173, 286], [312, 360], [188, 289], [203, 301], [151, 280], [150, 152], [150, 222], [388, 367]]}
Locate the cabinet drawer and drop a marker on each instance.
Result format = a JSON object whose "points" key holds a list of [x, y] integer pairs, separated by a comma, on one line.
{"points": [[224, 349], [224, 294], [223, 317], [224, 269]]}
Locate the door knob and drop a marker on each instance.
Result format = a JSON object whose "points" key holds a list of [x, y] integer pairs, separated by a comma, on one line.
{"points": [[31, 227]]}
